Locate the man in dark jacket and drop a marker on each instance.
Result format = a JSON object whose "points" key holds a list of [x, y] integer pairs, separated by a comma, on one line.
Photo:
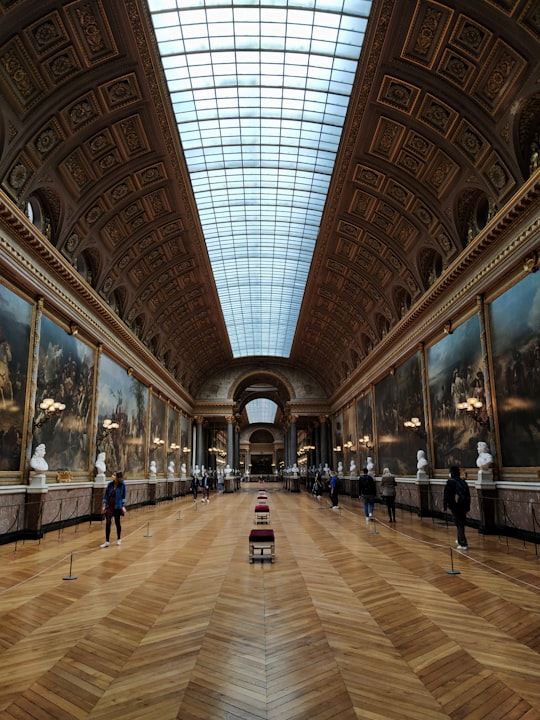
{"points": [[457, 499], [368, 491]]}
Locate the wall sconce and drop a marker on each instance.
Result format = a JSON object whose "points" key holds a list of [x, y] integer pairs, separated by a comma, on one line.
{"points": [[73, 329], [413, 424], [337, 448], [173, 447], [473, 408], [49, 408], [365, 440], [349, 446], [107, 426], [186, 450], [158, 442]]}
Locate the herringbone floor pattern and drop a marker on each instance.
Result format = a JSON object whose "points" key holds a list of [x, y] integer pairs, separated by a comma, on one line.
{"points": [[352, 620]]}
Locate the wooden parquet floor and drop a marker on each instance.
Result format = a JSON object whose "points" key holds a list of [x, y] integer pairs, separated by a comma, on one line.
{"points": [[351, 621]]}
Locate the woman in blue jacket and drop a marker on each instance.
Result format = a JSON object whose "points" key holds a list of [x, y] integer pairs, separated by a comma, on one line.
{"points": [[114, 506]]}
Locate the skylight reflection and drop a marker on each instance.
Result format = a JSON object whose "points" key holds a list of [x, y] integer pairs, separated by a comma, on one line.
{"points": [[260, 93]]}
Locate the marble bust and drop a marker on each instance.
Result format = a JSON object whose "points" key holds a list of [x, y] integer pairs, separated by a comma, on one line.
{"points": [[101, 467], [170, 468], [352, 468], [370, 465], [153, 467], [421, 460], [37, 461], [484, 461]]}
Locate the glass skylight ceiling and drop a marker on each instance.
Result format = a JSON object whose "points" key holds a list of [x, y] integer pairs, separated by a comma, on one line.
{"points": [[260, 92], [261, 410]]}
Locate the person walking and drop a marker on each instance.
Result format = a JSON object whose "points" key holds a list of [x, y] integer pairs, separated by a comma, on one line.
{"points": [[205, 488], [114, 506], [194, 487], [388, 492], [334, 490], [457, 498], [368, 490]]}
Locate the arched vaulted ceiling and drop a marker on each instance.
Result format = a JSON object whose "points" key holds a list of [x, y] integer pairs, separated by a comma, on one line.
{"points": [[442, 116]]}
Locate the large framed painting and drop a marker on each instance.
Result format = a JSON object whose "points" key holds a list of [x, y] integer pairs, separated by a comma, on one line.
{"points": [[15, 328], [398, 398], [337, 439], [158, 432], [364, 425], [515, 341], [184, 441], [66, 374], [455, 373], [124, 400], [173, 440]]}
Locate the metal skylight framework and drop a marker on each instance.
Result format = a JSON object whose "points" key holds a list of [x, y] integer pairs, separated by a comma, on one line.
{"points": [[260, 92]]}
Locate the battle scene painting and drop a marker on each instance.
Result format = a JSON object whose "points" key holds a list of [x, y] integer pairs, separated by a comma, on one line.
{"points": [[15, 327], [65, 374], [455, 374], [158, 439], [515, 339], [398, 398], [364, 424], [124, 400]]}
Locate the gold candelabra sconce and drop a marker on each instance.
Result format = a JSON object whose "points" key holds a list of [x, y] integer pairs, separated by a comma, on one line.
{"points": [[337, 449], [474, 409], [349, 446], [173, 447], [107, 427], [48, 408], [413, 424], [366, 441], [158, 442]]}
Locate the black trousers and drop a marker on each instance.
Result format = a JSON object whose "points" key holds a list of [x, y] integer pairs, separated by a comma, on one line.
{"points": [[390, 502], [459, 519], [108, 521]]}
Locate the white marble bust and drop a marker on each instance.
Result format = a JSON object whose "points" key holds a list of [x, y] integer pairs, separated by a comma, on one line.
{"points": [[352, 468], [170, 467], [421, 460], [38, 462], [484, 461], [153, 467], [101, 467], [370, 465]]}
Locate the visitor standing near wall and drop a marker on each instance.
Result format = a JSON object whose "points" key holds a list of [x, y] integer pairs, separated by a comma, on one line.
{"points": [[194, 487], [368, 490], [388, 492], [114, 506], [457, 498], [334, 490]]}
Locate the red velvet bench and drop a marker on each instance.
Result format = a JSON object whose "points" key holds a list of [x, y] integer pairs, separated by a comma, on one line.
{"points": [[262, 544], [262, 514]]}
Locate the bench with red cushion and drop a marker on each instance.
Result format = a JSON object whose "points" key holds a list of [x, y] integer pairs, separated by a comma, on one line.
{"points": [[262, 513], [262, 544]]}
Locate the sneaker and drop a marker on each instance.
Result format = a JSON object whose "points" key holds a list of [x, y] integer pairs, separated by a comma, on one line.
{"points": [[118, 542], [105, 544], [370, 515], [462, 547]]}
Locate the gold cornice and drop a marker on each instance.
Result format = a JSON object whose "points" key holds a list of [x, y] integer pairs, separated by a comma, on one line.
{"points": [[42, 270], [505, 242]]}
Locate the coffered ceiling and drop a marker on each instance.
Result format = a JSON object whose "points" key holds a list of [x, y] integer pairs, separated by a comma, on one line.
{"points": [[443, 115]]}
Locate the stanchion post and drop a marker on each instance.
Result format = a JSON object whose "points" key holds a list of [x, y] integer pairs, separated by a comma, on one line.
{"points": [[148, 533], [452, 571], [70, 576]]}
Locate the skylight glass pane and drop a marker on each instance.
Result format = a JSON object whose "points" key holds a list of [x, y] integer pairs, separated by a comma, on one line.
{"points": [[260, 92]]}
